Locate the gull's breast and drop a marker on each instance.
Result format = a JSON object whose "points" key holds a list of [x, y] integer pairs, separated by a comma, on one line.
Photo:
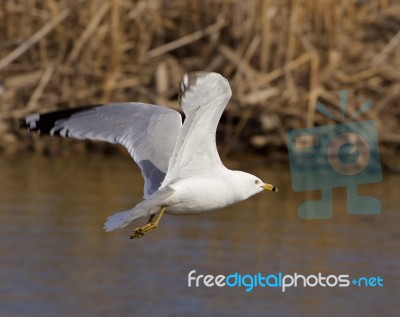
{"points": [[200, 194]]}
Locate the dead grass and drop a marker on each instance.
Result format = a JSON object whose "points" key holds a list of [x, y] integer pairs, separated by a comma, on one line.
{"points": [[280, 56]]}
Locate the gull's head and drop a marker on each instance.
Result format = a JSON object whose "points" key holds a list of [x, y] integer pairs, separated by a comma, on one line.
{"points": [[250, 185]]}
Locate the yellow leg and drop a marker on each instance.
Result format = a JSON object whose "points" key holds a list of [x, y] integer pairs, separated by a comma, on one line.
{"points": [[152, 224]]}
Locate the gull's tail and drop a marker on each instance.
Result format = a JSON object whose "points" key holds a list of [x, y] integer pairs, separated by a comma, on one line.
{"points": [[123, 218], [147, 207]]}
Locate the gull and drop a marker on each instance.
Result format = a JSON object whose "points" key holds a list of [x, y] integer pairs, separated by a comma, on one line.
{"points": [[183, 173]]}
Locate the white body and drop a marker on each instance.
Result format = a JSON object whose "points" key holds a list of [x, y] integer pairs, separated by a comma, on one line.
{"points": [[204, 193], [193, 195]]}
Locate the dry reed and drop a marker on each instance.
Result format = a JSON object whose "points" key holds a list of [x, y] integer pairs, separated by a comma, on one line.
{"points": [[280, 56]]}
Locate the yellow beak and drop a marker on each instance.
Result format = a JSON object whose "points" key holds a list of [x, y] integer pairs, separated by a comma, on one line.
{"points": [[270, 187]]}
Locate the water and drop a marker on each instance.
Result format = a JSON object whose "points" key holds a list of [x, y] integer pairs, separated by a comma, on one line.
{"points": [[57, 261]]}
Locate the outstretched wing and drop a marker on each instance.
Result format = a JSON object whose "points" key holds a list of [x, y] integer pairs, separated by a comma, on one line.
{"points": [[148, 132], [203, 97]]}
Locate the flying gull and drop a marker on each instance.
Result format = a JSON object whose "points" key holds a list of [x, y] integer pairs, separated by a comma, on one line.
{"points": [[182, 171]]}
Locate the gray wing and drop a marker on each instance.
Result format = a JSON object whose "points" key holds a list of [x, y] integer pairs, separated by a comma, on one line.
{"points": [[203, 98], [148, 132]]}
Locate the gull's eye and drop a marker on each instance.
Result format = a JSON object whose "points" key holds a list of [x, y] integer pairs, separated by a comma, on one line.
{"points": [[256, 182]]}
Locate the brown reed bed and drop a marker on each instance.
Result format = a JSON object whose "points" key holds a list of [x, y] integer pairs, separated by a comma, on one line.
{"points": [[281, 56]]}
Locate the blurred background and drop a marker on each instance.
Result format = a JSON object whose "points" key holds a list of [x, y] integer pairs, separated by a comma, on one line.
{"points": [[281, 58]]}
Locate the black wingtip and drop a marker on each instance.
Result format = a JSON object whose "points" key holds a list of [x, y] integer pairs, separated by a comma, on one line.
{"points": [[30, 122], [44, 123]]}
